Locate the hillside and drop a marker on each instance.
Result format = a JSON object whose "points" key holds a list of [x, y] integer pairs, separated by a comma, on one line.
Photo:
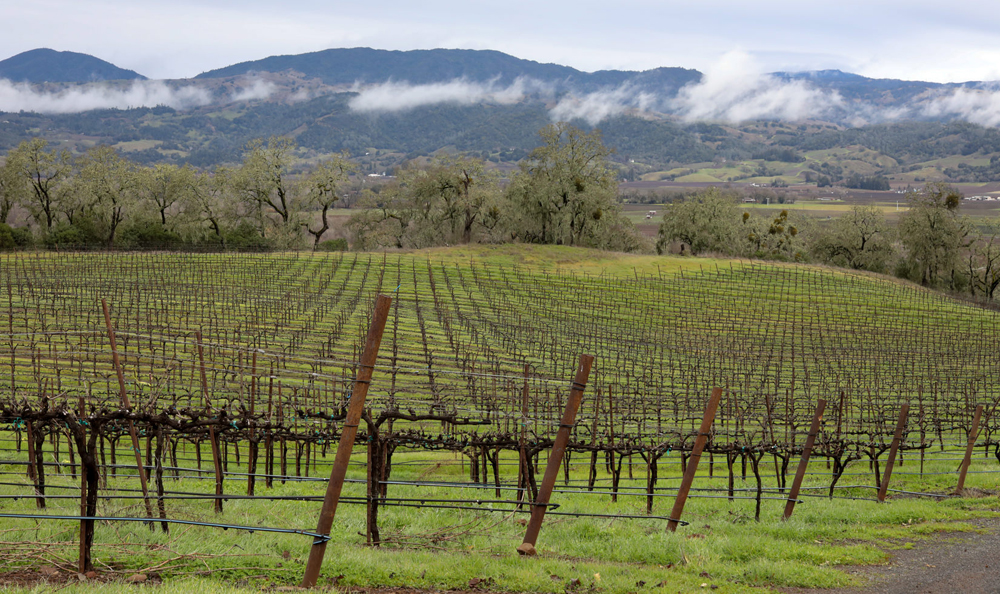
{"points": [[362, 65], [46, 65], [669, 331], [387, 107]]}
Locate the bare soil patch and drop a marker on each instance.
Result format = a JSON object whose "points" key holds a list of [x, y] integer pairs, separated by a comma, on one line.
{"points": [[947, 562]]}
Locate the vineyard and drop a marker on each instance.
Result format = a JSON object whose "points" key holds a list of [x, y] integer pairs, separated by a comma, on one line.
{"points": [[205, 383]]}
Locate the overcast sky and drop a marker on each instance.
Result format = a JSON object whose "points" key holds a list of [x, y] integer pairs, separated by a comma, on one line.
{"points": [[938, 41]]}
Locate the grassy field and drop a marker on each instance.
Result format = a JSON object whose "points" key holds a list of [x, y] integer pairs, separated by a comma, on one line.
{"points": [[664, 331], [439, 549]]}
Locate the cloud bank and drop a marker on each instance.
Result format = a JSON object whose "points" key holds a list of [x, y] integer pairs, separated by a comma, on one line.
{"points": [[401, 96], [253, 89], [23, 97], [734, 90], [600, 105], [979, 106]]}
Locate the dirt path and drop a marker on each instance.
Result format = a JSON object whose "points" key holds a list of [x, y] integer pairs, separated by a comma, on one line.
{"points": [[949, 562]]}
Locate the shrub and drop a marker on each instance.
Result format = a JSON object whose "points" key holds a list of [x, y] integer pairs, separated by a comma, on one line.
{"points": [[149, 236], [332, 245], [247, 238], [81, 234], [22, 237], [6, 237]]}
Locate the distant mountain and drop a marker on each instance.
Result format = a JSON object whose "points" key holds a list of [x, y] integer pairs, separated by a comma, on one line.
{"points": [[875, 90], [365, 65], [46, 65]]}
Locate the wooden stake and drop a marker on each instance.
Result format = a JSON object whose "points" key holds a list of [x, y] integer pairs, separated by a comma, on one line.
{"points": [[125, 402], [896, 439], [973, 433], [347, 434], [555, 457], [800, 474], [211, 428], [692, 465]]}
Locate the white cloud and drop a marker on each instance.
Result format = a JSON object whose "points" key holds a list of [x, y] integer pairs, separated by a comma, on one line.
{"points": [[734, 90], [400, 96], [254, 88], [24, 97], [599, 105], [979, 106]]}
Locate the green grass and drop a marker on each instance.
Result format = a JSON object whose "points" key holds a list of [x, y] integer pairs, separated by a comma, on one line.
{"points": [[568, 260], [445, 549], [698, 177]]}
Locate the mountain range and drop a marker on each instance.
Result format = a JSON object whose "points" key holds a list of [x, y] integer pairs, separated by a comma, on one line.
{"points": [[352, 67], [397, 105], [47, 65]]}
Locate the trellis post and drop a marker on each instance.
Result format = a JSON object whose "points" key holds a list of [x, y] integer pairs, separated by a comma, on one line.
{"points": [[692, 465], [973, 433], [800, 473], [125, 402], [555, 458], [347, 434], [212, 437], [896, 439]]}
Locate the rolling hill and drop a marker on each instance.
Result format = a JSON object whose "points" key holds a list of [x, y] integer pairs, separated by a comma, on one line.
{"points": [[47, 65]]}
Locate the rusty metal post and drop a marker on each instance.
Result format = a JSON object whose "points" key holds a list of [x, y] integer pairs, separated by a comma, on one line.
{"points": [[973, 433], [555, 457], [347, 434], [125, 402], [692, 465], [806, 452], [896, 439], [212, 437]]}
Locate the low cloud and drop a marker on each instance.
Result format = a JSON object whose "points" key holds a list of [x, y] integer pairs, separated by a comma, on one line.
{"points": [[23, 97], [253, 89], [979, 106], [599, 105], [401, 96], [734, 90]]}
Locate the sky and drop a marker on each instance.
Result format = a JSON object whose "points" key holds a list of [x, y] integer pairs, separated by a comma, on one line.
{"points": [[926, 40]]}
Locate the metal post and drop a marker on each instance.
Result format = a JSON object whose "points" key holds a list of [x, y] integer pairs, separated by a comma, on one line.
{"points": [[347, 434], [896, 439], [125, 402], [692, 465], [973, 433], [800, 474], [555, 458]]}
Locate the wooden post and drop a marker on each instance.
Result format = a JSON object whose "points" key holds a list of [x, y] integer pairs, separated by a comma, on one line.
{"points": [[973, 433], [32, 464], [896, 439], [86, 526], [522, 466], [555, 457], [254, 441], [692, 465], [347, 434], [211, 428], [800, 474], [125, 402]]}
